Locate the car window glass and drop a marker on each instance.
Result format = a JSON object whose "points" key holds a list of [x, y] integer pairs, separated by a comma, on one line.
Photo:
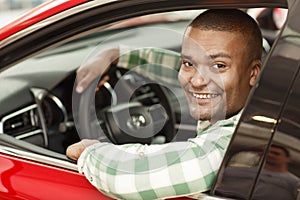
{"points": [[267, 129], [280, 176]]}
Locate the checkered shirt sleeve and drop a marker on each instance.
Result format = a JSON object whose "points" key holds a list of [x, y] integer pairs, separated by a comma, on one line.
{"points": [[136, 171], [130, 58], [154, 63]]}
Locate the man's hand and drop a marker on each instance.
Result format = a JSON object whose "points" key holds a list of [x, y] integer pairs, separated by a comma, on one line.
{"points": [[95, 67], [74, 151]]}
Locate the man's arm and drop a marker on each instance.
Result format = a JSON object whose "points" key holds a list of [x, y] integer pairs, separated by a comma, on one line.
{"points": [[135, 171]]}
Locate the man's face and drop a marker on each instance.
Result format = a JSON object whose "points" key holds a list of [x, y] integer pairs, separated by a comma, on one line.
{"points": [[277, 156], [215, 74]]}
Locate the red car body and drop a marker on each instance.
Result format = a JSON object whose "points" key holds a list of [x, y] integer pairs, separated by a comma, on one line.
{"points": [[37, 14], [20, 177]]}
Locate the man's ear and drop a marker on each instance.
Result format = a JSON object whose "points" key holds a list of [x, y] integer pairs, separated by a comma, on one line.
{"points": [[255, 70]]}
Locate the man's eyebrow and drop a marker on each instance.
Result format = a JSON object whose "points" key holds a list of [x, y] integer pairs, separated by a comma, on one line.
{"points": [[212, 56], [217, 55], [186, 57]]}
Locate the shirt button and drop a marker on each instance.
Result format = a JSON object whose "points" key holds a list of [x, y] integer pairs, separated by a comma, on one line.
{"points": [[91, 179], [141, 154]]}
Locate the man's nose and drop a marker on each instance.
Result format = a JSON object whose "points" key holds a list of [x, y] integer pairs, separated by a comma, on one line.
{"points": [[200, 77]]}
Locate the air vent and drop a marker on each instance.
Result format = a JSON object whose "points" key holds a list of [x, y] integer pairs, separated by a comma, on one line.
{"points": [[22, 123]]}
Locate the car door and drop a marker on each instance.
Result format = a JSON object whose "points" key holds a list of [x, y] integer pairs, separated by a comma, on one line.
{"points": [[262, 161]]}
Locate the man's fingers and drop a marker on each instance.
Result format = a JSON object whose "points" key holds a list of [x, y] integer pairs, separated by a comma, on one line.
{"points": [[95, 67], [81, 73], [75, 150], [102, 82], [84, 81]]}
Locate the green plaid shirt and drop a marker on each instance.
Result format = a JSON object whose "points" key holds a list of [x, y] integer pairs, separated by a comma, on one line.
{"points": [[136, 171]]}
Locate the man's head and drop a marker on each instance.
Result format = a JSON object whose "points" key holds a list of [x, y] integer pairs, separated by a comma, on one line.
{"points": [[278, 155], [221, 55], [277, 158]]}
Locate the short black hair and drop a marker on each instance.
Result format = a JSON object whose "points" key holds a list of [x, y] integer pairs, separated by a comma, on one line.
{"points": [[232, 20]]}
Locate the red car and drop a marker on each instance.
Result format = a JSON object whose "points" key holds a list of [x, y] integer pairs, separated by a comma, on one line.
{"points": [[41, 51]]}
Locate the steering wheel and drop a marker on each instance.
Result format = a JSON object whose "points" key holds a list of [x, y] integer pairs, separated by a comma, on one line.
{"points": [[133, 109]]}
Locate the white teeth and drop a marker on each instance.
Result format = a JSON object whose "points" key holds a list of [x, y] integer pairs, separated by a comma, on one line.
{"points": [[204, 96]]}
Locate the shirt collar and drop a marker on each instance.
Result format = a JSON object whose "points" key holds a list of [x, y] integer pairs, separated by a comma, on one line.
{"points": [[204, 125]]}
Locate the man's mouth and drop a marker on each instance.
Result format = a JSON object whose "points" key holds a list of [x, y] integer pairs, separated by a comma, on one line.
{"points": [[204, 96]]}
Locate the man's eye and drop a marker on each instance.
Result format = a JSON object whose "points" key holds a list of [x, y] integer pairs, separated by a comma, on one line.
{"points": [[218, 66], [187, 64]]}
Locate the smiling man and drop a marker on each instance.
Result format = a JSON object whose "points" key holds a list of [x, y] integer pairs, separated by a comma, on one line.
{"points": [[218, 66]]}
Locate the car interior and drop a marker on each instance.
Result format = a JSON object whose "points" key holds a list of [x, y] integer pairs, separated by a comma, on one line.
{"points": [[37, 92]]}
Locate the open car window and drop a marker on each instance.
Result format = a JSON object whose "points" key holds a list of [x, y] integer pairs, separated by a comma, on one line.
{"points": [[37, 92], [36, 102]]}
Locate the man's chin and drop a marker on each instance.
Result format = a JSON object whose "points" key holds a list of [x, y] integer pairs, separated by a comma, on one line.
{"points": [[207, 115], [201, 116]]}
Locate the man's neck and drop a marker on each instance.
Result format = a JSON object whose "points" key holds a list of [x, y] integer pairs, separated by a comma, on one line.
{"points": [[276, 168], [217, 118]]}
